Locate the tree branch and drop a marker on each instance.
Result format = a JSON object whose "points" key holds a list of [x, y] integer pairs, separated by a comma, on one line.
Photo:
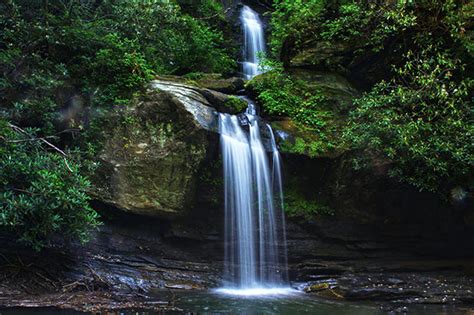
{"points": [[18, 129]]}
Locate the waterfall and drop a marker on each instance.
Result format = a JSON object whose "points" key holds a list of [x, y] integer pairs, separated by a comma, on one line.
{"points": [[278, 187], [254, 41], [255, 243]]}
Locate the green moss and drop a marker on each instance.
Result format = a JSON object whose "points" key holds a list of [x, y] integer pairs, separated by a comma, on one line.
{"points": [[193, 76], [235, 104], [316, 125], [300, 203], [310, 147], [297, 205]]}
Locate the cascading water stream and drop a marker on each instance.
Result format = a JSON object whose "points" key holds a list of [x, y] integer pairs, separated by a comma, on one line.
{"points": [[255, 244], [278, 187], [254, 41]]}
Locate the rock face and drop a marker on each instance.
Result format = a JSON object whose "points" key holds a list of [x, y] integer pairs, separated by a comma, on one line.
{"points": [[338, 95], [153, 150], [362, 70], [336, 88]]}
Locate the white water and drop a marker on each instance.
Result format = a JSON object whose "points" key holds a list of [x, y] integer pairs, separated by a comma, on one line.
{"points": [[255, 243], [254, 41]]}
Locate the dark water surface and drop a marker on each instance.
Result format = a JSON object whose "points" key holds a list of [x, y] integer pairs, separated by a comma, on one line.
{"points": [[208, 303]]}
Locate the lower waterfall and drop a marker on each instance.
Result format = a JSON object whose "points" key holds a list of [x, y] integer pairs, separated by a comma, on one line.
{"points": [[255, 242]]}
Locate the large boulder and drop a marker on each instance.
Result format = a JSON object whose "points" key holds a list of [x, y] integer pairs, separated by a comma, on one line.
{"points": [[209, 90], [153, 150], [211, 81]]}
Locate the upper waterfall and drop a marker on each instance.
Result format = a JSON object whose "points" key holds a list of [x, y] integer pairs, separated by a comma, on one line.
{"points": [[254, 41]]}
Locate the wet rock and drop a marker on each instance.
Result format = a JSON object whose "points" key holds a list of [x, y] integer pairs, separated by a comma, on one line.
{"points": [[317, 287], [182, 286], [363, 70], [129, 256], [315, 54], [377, 294], [209, 81]]}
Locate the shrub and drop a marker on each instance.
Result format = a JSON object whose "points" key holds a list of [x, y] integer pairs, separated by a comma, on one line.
{"points": [[41, 193], [420, 121]]}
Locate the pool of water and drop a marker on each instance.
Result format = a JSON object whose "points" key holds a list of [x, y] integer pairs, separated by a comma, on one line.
{"points": [[212, 302], [293, 303]]}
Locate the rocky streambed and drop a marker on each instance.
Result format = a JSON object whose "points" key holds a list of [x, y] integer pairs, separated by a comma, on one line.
{"points": [[148, 264]]}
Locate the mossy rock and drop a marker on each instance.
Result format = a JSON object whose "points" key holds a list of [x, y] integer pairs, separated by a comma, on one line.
{"points": [[338, 91], [321, 54], [234, 105], [294, 139], [151, 156]]}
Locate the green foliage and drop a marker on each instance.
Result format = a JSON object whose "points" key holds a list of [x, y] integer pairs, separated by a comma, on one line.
{"points": [[118, 69], [364, 24], [368, 24], [173, 41], [280, 94], [109, 49], [421, 121], [311, 146], [291, 20], [41, 194], [104, 52], [298, 205]]}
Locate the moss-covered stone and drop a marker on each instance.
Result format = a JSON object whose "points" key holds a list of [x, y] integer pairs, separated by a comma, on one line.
{"points": [[235, 105], [317, 287], [321, 54], [294, 139], [336, 89], [302, 202], [312, 114], [151, 156]]}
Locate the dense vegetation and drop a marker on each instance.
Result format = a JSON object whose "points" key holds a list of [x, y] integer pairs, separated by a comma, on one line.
{"points": [[416, 114], [58, 55], [42, 193]]}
